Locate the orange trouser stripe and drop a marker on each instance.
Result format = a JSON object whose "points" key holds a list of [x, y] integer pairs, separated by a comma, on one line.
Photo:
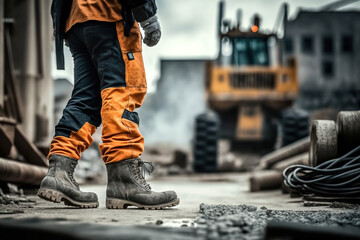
{"points": [[75, 144], [121, 137]]}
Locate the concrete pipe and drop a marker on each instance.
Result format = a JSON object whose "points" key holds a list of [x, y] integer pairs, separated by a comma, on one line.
{"points": [[323, 142], [17, 172], [348, 128], [264, 180]]}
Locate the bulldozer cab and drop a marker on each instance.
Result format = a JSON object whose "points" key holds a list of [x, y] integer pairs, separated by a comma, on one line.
{"points": [[245, 51], [244, 48], [249, 51]]}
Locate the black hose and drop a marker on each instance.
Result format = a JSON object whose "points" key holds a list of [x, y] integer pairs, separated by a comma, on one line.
{"points": [[336, 177]]}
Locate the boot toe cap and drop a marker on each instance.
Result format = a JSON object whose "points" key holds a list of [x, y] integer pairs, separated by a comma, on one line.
{"points": [[90, 197], [170, 196]]}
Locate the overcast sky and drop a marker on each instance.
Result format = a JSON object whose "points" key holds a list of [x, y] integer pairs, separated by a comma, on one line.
{"points": [[189, 28]]}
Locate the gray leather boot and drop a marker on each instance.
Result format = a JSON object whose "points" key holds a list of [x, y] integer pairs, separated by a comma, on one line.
{"points": [[60, 185], [127, 187]]}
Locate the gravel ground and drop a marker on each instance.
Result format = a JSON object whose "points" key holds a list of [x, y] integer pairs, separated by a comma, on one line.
{"points": [[211, 221], [249, 222]]}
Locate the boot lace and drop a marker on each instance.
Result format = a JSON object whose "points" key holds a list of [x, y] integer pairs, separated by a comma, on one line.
{"points": [[140, 169], [71, 174]]}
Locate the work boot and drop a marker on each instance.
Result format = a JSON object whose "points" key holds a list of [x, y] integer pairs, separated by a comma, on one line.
{"points": [[127, 187], [59, 184]]}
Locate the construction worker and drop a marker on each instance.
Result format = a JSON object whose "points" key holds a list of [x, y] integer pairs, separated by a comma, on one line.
{"points": [[109, 83]]}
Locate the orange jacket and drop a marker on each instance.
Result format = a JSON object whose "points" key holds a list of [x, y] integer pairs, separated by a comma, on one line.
{"points": [[130, 10], [99, 10]]}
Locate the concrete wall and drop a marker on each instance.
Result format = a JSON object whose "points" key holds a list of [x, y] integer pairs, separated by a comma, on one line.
{"points": [[318, 25]]}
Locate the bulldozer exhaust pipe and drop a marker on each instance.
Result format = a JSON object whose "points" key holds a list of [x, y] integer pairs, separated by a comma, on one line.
{"points": [[238, 18], [221, 16], [220, 20]]}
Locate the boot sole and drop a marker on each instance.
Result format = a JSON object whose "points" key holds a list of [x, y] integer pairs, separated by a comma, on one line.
{"points": [[115, 203], [57, 197]]}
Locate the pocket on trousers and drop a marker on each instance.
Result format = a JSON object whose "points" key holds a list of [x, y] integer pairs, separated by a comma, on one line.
{"points": [[131, 52], [132, 43]]}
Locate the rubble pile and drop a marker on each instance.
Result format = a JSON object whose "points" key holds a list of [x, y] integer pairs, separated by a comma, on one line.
{"points": [[249, 222], [15, 201]]}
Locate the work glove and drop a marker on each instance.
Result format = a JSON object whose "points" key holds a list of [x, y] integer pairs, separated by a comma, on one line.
{"points": [[151, 27]]}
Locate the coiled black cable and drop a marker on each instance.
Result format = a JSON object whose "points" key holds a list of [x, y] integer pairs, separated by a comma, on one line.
{"points": [[339, 177]]}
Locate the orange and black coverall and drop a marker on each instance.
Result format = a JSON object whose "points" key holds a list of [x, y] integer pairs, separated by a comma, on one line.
{"points": [[109, 77]]}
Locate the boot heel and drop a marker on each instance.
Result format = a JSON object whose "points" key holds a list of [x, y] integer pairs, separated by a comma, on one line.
{"points": [[113, 203]]}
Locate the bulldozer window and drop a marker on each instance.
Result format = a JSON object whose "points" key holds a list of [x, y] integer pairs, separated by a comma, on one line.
{"points": [[250, 51]]}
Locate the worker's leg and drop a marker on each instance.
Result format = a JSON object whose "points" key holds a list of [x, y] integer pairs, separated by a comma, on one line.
{"points": [[81, 116], [73, 132], [123, 86]]}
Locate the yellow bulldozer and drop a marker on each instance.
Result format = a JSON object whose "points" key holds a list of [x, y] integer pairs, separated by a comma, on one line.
{"points": [[246, 90]]}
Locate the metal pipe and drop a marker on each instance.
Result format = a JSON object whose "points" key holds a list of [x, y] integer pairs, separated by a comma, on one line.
{"points": [[302, 159], [265, 180], [18, 172], [293, 149]]}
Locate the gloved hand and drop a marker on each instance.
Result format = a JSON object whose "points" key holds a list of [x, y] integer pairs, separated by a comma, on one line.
{"points": [[151, 27]]}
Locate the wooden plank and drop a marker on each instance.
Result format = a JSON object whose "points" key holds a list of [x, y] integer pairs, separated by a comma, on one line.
{"points": [[8, 124], [29, 150], [6, 143], [8, 111], [7, 136]]}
